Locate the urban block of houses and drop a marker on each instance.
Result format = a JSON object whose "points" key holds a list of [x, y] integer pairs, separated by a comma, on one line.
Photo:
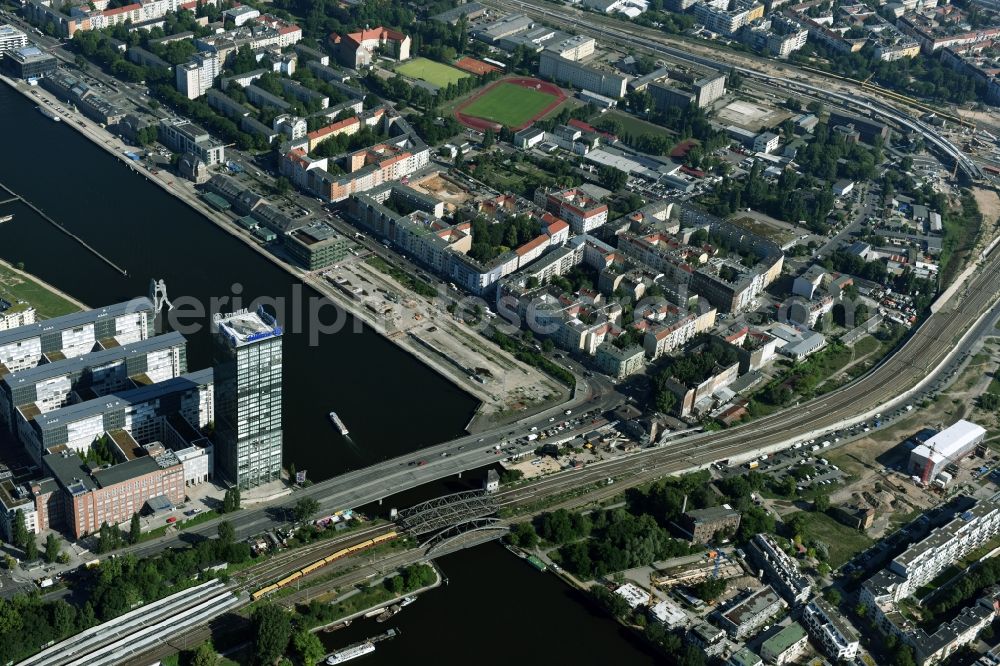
{"points": [[358, 49]]}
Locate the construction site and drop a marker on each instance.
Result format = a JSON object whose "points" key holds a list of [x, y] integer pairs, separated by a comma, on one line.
{"points": [[508, 388]]}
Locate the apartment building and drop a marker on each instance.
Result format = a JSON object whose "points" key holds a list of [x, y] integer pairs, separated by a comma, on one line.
{"points": [[781, 570], [831, 630], [748, 614], [726, 17], [13, 315], [196, 76], [581, 211], [11, 39], [786, 646], [619, 363]]}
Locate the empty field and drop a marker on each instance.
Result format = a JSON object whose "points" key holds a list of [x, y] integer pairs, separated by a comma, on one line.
{"points": [[509, 104], [432, 72]]}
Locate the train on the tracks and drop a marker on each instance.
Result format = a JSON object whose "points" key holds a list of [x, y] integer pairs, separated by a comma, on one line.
{"points": [[318, 564]]}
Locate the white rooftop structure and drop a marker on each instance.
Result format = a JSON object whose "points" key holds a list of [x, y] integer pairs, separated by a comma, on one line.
{"points": [[669, 614], [244, 327], [950, 442], [633, 595]]}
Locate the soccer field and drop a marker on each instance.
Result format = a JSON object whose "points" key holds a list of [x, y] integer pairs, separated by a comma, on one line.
{"points": [[432, 72], [509, 104]]}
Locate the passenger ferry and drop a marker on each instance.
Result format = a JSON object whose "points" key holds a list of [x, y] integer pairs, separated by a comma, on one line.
{"points": [[352, 652], [340, 424]]}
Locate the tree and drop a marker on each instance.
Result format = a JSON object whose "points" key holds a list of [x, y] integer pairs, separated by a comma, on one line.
{"points": [[135, 529], [611, 602], [291, 472], [282, 185], [308, 647], [523, 535], [205, 655], [231, 500], [31, 550], [489, 138], [20, 530], [272, 631], [51, 548], [709, 589], [305, 508], [548, 345], [821, 503], [227, 533]]}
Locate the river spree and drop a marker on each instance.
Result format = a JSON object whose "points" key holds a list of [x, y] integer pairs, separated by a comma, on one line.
{"points": [[391, 402], [496, 608]]}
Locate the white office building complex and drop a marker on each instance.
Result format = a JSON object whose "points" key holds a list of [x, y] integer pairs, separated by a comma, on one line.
{"points": [[75, 334]]}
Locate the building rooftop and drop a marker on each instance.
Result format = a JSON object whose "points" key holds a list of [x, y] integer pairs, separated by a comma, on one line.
{"points": [[243, 327], [750, 607], [70, 471], [74, 320], [123, 399], [942, 535], [712, 513], [745, 657], [950, 441], [80, 363], [785, 638]]}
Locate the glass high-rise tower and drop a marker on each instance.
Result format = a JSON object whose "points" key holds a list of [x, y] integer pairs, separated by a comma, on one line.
{"points": [[248, 397]]}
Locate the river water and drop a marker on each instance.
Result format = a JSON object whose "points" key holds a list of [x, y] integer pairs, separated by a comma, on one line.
{"points": [[496, 609], [391, 402]]}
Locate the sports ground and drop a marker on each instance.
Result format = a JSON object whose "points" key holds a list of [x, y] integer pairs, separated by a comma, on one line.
{"points": [[513, 103], [432, 72]]}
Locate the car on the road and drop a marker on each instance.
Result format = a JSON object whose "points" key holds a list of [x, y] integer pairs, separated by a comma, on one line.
{"points": [[421, 463], [171, 520]]}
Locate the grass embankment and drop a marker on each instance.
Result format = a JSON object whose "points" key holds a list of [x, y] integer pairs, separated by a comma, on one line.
{"points": [[961, 228], [16, 287], [411, 282]]}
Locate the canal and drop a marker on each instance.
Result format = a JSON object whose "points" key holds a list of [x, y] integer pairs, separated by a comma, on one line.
{"points": [[391, 402], [496, 608]]}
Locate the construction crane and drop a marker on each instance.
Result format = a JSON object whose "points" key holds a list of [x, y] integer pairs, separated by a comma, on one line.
{"points": [[716, 555]]}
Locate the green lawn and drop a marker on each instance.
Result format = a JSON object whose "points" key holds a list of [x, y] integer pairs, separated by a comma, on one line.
{"points": [[509, 104], [842, 541], [631, 125], [432, 72], [16, 287]]}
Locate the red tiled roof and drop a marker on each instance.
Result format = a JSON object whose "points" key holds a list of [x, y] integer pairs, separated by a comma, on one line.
{"points": [[122, 10], [531, 245]]}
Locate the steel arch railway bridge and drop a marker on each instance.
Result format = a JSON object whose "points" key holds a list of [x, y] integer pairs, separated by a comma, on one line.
{"points": [[443, 521]]}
